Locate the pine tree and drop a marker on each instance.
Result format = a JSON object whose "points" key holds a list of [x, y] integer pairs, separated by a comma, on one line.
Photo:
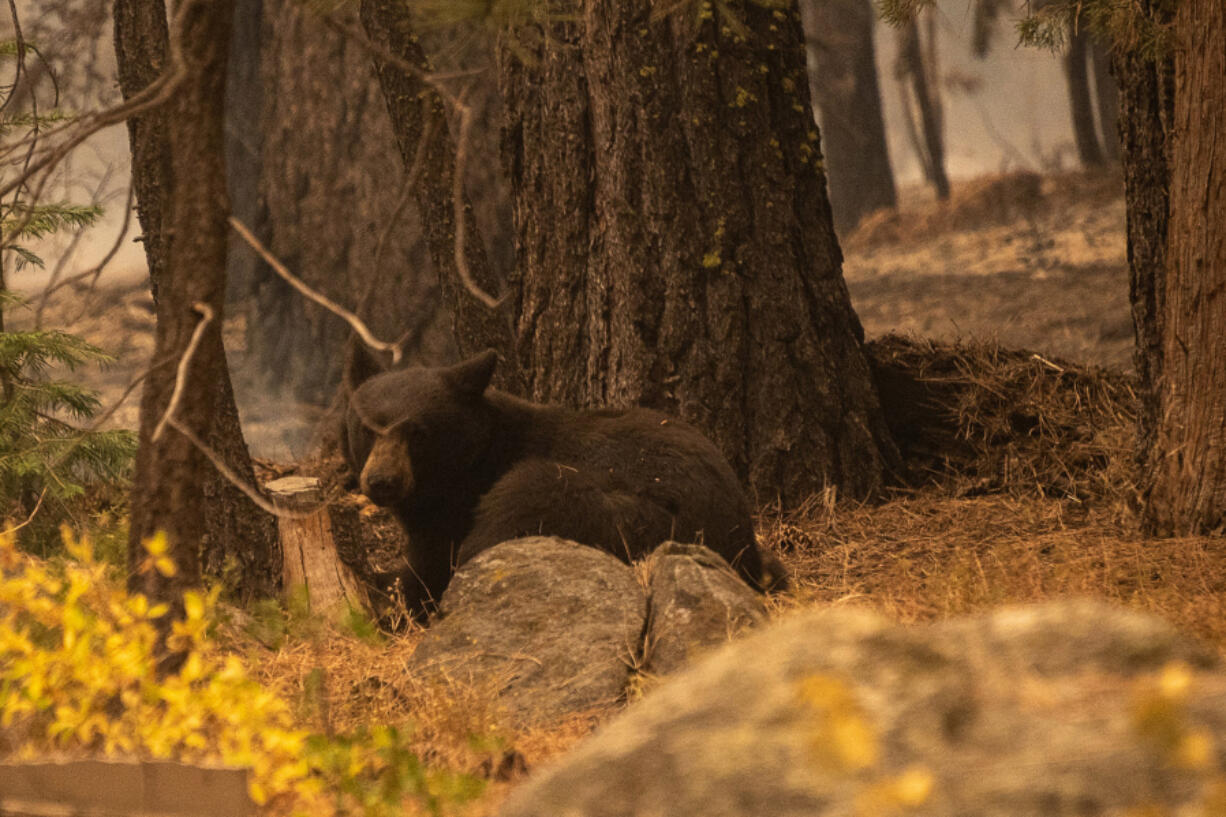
{"points": [[47, 462]]}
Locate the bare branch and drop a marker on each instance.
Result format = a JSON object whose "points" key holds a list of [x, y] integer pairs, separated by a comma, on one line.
{"points": [[353, 320], [234, 479], [207, 316], [9, 531], [458, 203], [156, 93]]}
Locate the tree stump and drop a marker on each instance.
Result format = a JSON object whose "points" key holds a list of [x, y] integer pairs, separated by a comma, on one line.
{"points": [[310, 558]]}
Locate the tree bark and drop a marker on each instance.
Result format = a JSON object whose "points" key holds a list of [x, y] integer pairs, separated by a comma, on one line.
{"points": [[1188, 463], [331, 205], [178, 170], [843, 81], [1076, 73], [419, 121], [1146, 112], [675, 240]]}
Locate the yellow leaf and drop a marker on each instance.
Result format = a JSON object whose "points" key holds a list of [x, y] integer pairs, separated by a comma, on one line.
{"points": [[157, 545], [193, 605], [165, 565]]}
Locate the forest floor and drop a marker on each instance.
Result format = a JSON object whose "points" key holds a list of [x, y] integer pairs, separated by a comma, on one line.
{"points": [[1027, 262]]}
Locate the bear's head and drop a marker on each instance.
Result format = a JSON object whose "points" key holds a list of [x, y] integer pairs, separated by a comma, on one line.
{"points": [[414, 434]]}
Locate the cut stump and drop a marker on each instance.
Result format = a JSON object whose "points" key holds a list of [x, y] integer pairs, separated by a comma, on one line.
{"points": [[310, 558]]}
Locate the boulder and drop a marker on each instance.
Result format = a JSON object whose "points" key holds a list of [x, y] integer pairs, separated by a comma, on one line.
{"points": [[549, 626], [697, 602], [1068, 708]]}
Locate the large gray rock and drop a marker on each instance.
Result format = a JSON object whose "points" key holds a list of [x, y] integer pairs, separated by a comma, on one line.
{"points": [[549, 626], [1048, 710], [697, 602]]}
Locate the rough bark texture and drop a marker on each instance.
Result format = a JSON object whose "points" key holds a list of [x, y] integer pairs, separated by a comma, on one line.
{"points": [[675, 246], [1146, 111], [1188, 463], [188, 232], [141, 40], [548, 152], [932, 147], [185, 206], [332, 203], [428, 151], [843, 81]]}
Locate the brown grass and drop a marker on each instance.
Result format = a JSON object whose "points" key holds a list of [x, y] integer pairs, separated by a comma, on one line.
{"points": [[994, 199], [927, 556]]}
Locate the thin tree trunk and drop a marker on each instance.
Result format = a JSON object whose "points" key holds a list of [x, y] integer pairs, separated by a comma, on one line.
{"points": [[843, 81], [1080, 105], [178, 170], [675, 240], [911, 63], [1146, 112], [417, 113], [1188, 493]]}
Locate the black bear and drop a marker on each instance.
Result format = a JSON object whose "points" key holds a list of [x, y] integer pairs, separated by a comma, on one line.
{"points": [[465, 467]]}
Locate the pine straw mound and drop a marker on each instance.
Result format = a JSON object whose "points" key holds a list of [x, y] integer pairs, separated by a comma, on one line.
{"points": [[926, 557], [973, 418]]}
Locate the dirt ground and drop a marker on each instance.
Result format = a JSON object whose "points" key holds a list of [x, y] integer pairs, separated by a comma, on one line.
{"points": [[1031, 263]]}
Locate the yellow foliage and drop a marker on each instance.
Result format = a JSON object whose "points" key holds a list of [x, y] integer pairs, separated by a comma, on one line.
{"points": [[78, 674]]}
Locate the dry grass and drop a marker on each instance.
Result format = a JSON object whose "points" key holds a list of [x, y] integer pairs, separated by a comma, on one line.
{"points": [[994, 199], [928, 556]]}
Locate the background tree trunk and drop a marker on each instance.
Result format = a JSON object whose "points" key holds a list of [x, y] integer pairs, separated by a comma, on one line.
{"points": [[843, 81], [174, 488], [699, 273], [1188, 461], [1076, 72], [427, 150], [332, 204], [929, 142], [1146, 113]]}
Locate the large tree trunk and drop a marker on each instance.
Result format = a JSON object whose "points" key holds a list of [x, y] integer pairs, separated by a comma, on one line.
{"points": [[675, 240], [427, 150], [178, 149], [332, 205], [1187, 465], [178, 170], [843, 81], [1146, 111], [1076, 73]]}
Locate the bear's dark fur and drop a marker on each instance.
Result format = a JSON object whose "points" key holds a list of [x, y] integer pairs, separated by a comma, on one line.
{"points": [[466, 467]]}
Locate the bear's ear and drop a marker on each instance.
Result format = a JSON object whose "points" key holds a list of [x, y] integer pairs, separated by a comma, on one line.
{"points": [[360, 364], [472, 376]]}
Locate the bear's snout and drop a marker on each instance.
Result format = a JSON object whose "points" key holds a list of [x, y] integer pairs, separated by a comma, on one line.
{"points": [[387, 477], [382, 489]]}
